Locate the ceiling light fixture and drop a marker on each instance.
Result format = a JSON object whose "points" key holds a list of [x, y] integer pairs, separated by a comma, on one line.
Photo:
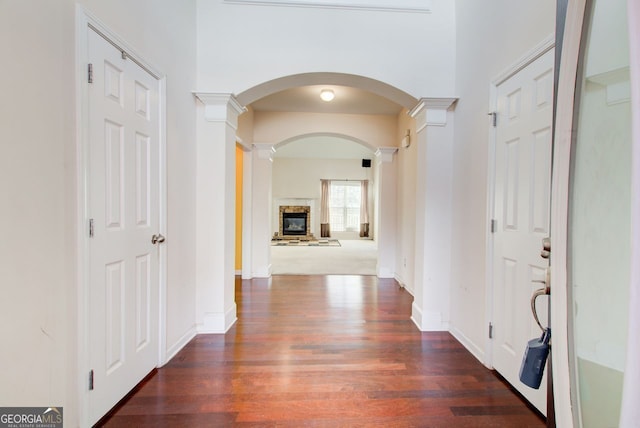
{"points": [[327, 95]]}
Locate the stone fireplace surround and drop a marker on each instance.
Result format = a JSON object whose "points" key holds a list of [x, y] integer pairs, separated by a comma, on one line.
{"points": [[295, 209]]}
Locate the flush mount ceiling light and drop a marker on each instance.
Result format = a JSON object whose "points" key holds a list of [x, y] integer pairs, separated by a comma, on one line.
{"points": [[327, 95]]}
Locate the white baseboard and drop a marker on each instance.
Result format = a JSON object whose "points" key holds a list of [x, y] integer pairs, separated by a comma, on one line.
{"points": [[180, 343], [475, 350], [429, 321], [384, 272], [263, 272], [217, 322]]}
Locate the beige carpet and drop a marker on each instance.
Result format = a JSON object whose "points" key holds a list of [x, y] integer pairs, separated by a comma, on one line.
{"points": [[357, 257]]}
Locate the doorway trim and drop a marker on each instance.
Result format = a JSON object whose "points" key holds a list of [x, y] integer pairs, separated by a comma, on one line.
{"points": [[86, 21], [528, 58]]}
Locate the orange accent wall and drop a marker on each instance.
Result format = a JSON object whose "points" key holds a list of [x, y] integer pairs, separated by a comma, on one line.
{"points": [[239, 166]]}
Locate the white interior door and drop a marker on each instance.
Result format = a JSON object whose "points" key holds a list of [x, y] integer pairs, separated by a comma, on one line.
{"points": [[123, 203], [521, 211]]}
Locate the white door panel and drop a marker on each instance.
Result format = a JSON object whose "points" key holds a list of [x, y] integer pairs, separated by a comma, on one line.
{"points": [[123, 201], [521, 210]]}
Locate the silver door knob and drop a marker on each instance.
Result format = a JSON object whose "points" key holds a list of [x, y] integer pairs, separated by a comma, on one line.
{"points": [[157, 239]]}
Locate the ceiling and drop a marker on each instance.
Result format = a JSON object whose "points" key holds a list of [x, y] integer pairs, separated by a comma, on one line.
{"points": [[348, 100], [323, 147]]}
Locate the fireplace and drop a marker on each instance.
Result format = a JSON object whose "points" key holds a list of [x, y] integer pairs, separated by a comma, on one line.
{"points": [[295, 222]]}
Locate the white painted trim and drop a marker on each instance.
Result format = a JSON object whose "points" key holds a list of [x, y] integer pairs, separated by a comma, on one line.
{"points": [[435, 112], [217, 322], [82, 261], [84, 22], [402, 284], [247, 214], [262, 272], [416, 315], [421, 6], [385, 154], [181, 343], [384, 272], [469, 345], [630, 411], [559, 213], [528, 58], [543, 47]]}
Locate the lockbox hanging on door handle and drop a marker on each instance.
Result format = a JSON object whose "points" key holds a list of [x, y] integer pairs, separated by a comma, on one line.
{"points": [[537, 351], [534, 360]]}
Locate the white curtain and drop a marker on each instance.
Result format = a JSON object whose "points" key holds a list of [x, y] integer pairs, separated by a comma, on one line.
{"points": [[630, 412], [364, 209], [325, 230]]}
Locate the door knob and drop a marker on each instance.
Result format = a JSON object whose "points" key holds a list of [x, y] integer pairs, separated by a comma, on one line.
{"points": [[157, 239], [546, 248]]}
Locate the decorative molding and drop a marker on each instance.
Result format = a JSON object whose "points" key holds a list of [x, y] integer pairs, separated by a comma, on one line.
{"points": [[220, 107], [617, 84], [411, 6], [385, 154], [431, 112], [542, 48], [246, 147], [264, 150]]}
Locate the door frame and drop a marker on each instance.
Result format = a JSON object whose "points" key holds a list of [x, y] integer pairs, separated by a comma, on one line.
{"points": [[527, 59], [86, 21]]}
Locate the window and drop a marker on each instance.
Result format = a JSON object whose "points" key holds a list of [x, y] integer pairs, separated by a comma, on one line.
{"points": [[344, 206]]}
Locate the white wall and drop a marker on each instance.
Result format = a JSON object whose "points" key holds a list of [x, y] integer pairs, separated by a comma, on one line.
{"points": [[241, 46], [38, 310], [490, 37], [36, 167], [372, 130], [300, 179]]}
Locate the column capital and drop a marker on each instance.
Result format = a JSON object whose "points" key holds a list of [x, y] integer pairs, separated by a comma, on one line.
{"points": [[385, 154], [264, 150], [431, 112], [221, 107]]}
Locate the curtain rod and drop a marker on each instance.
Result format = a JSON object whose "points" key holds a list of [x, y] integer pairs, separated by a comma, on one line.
{"points": [[343, 179]]}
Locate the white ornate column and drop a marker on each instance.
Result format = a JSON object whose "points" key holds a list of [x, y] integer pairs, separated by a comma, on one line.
{"points": [[215, 212], [385, 219], [261, 200], [430, 310]]}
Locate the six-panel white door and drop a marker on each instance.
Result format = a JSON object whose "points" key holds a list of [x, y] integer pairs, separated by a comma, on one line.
{"points": [[123, 203], [521, 211]]}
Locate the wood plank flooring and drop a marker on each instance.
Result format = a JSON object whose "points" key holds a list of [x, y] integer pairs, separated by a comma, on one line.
{"points": [[324, 351]]}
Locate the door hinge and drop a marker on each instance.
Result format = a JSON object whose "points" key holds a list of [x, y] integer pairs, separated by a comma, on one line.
{"points": [[494, 118], [490, 331], [494, 225], [91, 380], [91, 228], [90, 73]]}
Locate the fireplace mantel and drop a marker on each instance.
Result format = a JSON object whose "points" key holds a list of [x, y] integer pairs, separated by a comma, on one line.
{"points": [[298, 210]]}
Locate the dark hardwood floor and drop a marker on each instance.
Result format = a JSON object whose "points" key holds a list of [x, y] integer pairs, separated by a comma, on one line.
{"points": [[324, 351]]}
